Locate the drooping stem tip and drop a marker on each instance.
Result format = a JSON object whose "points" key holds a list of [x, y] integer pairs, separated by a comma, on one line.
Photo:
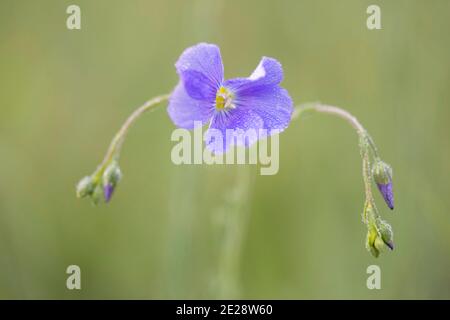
{"points": [[107, 175], [380, 233]]}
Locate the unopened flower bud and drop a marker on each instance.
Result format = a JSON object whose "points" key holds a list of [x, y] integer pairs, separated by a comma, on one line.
{"points": [[379, 237], [372, 235], [382, 174], [111, 178], [387, 235], [108, 190], [379, 244], [97, 194], [85, 187]]}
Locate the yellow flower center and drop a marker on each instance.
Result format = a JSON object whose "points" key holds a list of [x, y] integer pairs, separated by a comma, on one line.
{"points": [[224, 99]]}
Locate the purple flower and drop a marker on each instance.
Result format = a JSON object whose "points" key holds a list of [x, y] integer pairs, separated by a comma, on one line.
{"points": [[203, 96]]}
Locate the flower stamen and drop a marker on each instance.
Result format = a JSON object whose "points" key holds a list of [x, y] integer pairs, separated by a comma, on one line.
{"points": [[224, 99]]}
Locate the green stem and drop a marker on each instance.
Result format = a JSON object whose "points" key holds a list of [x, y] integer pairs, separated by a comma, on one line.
{"points": [[366, 141], [113, 152], [372, 145], [341, 113], [235, 225]]}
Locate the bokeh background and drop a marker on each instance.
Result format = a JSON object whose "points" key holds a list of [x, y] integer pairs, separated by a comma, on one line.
{"points": [[167, 232]]}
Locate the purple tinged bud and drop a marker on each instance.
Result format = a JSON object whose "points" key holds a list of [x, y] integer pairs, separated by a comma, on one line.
{"points": [[382, 174], [111, 178], [386, 233], [379, 236], [387, 193], [108, 190], [390, 244]]}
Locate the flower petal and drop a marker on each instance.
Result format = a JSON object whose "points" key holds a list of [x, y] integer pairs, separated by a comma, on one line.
{"points": [[267, 109], [198, 86], [268, 72], [201, 70], [261, 93], [233, 127], [272, 103], [184, 110]]}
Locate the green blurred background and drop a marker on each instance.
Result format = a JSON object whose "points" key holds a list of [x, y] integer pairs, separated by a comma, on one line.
{"points": [[65, 93]]}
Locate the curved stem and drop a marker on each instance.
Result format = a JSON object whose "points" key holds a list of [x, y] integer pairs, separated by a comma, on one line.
{"points": [[322, 108], [344, 114], [367, 176], [117, 142], [366, 141]]}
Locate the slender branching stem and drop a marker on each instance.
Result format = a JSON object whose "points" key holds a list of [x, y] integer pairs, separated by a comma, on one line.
{"points": [[367, 176], [108, 173], [366, 142], [113, 152], [322, 108], [341, 113]]}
